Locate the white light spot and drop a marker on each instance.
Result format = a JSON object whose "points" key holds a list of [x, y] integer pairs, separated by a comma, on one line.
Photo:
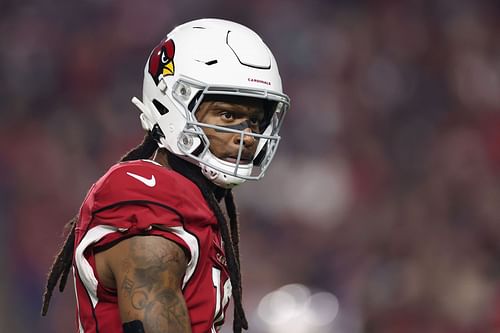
{"points": [[324, 308], [294, 309]]}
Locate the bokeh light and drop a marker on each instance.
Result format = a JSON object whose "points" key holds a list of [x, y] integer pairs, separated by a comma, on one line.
{"points": [[294, 308]]}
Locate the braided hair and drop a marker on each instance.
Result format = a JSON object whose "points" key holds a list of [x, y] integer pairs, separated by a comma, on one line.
{"points": [[212, 194]]}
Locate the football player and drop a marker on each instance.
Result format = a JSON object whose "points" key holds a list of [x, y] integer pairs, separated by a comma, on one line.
{"points": [[151, 249]]}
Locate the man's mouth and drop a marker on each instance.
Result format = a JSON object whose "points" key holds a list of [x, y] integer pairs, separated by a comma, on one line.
{"points": [[243, 160]]}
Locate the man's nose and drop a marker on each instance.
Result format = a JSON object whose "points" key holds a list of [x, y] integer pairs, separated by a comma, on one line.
{"points": [[248, 140]]}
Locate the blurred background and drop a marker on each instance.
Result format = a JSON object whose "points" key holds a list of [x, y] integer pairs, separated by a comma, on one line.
{"points": [[381, 211]]}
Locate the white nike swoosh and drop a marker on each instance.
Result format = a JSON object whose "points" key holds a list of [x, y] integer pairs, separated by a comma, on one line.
{"points": [[151, 182]]}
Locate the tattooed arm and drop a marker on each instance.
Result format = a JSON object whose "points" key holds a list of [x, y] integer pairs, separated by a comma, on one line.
{"points": [[147, 272]]}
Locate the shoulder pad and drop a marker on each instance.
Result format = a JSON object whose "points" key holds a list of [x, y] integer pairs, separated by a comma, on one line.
{"points": [[141, 181]]}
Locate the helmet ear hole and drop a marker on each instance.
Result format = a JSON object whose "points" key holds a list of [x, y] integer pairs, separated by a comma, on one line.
{"points": [[162, 109]]}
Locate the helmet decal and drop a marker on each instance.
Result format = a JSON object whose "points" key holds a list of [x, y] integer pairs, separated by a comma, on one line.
{"points": [[161, 61]]}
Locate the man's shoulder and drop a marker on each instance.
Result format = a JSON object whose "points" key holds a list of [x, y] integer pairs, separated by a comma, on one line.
{"points": [[141, 180]]}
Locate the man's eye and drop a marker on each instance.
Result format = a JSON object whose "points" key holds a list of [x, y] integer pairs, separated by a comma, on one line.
{"points": [[164, 58], [254, 121], [227, 116]]}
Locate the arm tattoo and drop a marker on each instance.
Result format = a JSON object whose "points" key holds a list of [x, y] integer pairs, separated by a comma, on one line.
{"points": [[152, 283], [166, 310], [139, 299], [127, 286]]}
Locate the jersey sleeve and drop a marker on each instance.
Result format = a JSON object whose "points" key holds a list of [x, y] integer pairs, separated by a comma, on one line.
{"points": [[140, 219], [140, 215], [137, 199]]}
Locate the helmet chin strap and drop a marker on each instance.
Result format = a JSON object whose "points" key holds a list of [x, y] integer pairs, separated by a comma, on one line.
{"points": [[222, 174]]}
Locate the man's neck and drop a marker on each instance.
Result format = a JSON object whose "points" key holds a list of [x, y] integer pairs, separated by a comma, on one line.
{"points": [[161, 157]]}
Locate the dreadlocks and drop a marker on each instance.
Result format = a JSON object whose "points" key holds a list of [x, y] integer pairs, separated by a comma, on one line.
{"points": [[212, 194], [61, 266]]}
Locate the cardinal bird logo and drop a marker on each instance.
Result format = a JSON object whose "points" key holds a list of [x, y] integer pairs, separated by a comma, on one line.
{"points": [[161, 61]]}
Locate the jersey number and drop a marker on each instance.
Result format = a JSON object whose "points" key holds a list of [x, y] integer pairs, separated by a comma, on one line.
{"points": [[221, 298]]}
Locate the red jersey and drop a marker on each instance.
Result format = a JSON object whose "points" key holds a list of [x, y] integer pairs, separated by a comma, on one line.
{"points": [[132, 198]]}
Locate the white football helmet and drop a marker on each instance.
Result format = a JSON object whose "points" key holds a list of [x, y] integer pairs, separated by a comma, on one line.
{"points": [[211, 57]]}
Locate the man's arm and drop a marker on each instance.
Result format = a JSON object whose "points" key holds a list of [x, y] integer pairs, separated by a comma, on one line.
{"points": [[147, 272]]}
